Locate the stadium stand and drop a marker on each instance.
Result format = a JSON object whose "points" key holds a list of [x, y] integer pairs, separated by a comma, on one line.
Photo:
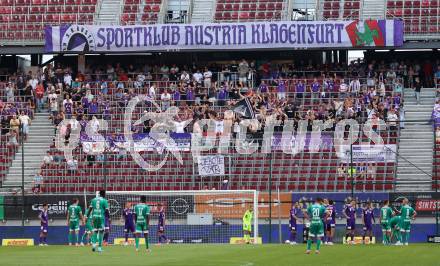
{"points": [[245, 10], [378, 93], [420, 17], [141, 11], [25, 19]]}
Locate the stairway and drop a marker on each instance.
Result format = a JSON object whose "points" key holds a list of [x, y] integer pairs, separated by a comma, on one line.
{"points": [[110, 12], [373, 9], [416, 143], [203, 11], [41, 134]]}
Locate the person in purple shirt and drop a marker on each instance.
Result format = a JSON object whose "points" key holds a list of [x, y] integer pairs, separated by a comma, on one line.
{"points": [[222, 95], [368, 220], [44, 221], [263, 87], [330, 222], [281, 89], [350, 215], [93, 107], [161, 226], [293, 218], [107, 225], [300, 89], [68, 107], [106, 113], [315, 88], [190, 97], [128, 216], [85, 103]]}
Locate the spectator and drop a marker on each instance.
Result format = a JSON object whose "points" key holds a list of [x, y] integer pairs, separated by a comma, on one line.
{"points": [[152, 91], [392, 120], [25, 122], [243, 71], [355, 87], [12, 139], [207, 76], [39, 95], [417, 89], [165, 98], [37, 183], [197, 77], [14, 124], [9, 90]]}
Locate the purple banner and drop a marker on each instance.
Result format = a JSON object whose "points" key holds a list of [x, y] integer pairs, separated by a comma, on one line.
{"points": [[224, 36], [326, 141]]}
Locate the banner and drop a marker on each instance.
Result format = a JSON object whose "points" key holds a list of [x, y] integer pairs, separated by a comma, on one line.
{"points": [[371, 153], [241, 240], [17, 242], [224, 36], [142, 142], [33, 204], [211, 165], [233, 206], [278, 142], [176, 206], [426, 204]]}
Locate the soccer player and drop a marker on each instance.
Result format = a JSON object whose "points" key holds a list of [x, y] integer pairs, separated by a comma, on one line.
{"points": [[292, 223], [385, 215], [142, 218], [128, 216], [44, 222], [395, 230], [161, 226], [88, 229], [98, 209], [350, 215], [107, 223], [74, 213], [368, 220], [316, 213], [330, 222], [247, 225], [407, 213]]}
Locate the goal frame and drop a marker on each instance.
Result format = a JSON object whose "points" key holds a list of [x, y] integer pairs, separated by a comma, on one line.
{"points": [[198, 192]]}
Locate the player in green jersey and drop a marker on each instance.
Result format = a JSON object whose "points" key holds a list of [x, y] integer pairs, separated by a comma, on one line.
{"points": [[74, 214], [247, 225], [316, 213], [88, 230], [407, 213], [98, 209], [142, 219], [395, 229], [385, 216]]}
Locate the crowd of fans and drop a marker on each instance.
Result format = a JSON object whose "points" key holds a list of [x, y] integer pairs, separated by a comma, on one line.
{"points": [[279, 91]]}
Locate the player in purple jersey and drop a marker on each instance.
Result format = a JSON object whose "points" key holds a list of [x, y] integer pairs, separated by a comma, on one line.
{"points": [[161, 226], [128, 216], [44, 221], [293, 218], [107, 223], [368, 220], [330, 222], [350, 215]]}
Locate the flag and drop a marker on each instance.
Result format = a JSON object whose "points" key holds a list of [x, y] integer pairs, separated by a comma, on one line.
{"points": [[365, 33], [244, 108]]}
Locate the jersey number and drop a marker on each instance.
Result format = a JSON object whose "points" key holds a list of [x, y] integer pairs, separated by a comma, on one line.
{"points": [[315, 213]]}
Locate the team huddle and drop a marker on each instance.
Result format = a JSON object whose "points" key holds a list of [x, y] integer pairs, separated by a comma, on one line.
{"points": [[396, 225], [97, 223]]}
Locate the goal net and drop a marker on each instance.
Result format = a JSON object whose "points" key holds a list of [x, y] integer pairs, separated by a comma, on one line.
{"points": [[190, 216]]}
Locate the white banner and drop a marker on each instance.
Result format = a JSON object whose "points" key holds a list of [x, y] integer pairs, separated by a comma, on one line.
{"points": [[221, 36], [370, 153], [211, 165]]}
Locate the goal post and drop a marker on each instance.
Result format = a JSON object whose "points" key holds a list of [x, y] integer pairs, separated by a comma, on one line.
{"points": [[195, 216]]}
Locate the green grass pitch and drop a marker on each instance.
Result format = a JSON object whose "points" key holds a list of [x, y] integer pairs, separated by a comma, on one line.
{"points": [[223, 255]]}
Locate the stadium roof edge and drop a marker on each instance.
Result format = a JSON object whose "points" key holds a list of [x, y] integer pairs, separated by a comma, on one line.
{"points": [[39, 49]]}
